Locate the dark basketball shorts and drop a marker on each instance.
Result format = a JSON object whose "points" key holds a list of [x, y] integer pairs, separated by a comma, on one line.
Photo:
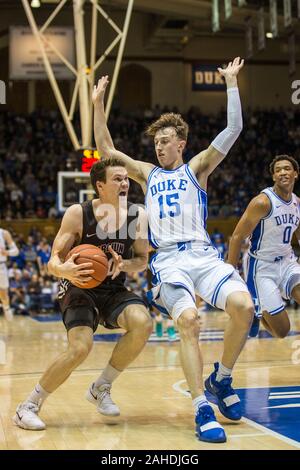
{"points": [[90, 307]]}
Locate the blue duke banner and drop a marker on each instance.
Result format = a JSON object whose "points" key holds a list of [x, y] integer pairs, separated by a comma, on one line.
{"points": [[207, 78]]}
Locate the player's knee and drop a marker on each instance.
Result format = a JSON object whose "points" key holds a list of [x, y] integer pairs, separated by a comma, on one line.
{"points": [[188, 324], [137, 317], [78, 351], [247, 313], [144, 323], [241, 306], [241, 310]]}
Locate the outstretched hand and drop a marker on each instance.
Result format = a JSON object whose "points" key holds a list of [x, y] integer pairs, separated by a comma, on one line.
{"points": [[99, 89], [231, 71]]}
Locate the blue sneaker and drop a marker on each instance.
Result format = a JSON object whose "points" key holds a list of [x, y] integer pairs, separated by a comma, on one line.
{"points": [[253, 332], [207, 427], [228, 401]]}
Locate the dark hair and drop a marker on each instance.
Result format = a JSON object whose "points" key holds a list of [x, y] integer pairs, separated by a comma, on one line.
{"points": [[169, 120], [279, 158], [98, 171]]}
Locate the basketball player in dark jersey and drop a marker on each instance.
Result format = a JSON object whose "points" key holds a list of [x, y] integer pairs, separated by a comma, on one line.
{"points": [[120, 229]]}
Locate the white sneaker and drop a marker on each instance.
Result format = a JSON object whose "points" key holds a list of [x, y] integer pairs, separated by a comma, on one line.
{"points": [[8, 314], [26, 417], [101, 398]]}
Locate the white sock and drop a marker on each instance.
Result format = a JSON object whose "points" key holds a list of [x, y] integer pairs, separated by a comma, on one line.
{"points": [[199, 401], [223, 372], [108, 376], [38, 395]]}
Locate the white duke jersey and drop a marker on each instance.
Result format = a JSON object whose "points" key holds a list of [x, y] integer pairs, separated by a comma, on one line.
{"points": [[2, 245], [271, 238], [176, 206]]}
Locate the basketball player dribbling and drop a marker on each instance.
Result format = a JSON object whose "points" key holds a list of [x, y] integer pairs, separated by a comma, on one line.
{"points": [[120, 229], [186, 263], [7, 248], [273, 273]]}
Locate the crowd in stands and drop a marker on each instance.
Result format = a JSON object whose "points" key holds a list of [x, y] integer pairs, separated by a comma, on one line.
{"points": [[32, 290], [33, 148]]}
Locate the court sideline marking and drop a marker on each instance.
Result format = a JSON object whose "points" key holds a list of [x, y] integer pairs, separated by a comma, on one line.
{"points": [[266, 431]]}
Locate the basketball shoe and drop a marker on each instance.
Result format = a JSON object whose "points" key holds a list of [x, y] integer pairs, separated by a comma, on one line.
{"points": [[228, 400], [207, 427], [26, 417], [100, 396]]}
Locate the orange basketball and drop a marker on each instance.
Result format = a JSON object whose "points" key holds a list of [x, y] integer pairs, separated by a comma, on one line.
{"points": [[91, 254]]}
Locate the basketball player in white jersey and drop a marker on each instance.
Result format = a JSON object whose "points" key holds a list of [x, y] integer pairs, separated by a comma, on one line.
{"points": [[273, 273], [7, 248], [186, 263]]}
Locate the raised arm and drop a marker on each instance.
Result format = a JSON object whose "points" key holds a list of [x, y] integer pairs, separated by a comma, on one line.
{"points": [[68, 234], [137, 170], [12, 247], [206, 161], [257, 209]]}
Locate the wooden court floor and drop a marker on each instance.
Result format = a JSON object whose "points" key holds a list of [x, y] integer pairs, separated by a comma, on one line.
{"points": [[156, 412]]}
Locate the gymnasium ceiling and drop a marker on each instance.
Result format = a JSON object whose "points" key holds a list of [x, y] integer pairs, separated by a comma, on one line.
{"points": [[177, 22], [197, 12]]}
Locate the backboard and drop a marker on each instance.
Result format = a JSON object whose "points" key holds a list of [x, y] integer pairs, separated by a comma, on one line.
{"points": [[74, 187]]}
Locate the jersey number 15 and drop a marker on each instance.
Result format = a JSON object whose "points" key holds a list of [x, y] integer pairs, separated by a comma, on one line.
{"points": [[168, 205]]}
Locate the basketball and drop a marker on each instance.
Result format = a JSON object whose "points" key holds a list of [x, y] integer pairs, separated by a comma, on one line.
{"points": [[91, 254]]}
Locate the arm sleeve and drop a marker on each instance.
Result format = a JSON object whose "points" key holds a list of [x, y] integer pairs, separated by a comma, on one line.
{"points": [[225, 140]]}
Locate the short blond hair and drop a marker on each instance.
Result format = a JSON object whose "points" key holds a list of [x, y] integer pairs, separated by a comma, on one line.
{"points": [[169, 120]]}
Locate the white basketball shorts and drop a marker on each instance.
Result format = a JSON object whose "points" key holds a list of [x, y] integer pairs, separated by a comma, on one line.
{"points": [[200, 270], [271, 282]]}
